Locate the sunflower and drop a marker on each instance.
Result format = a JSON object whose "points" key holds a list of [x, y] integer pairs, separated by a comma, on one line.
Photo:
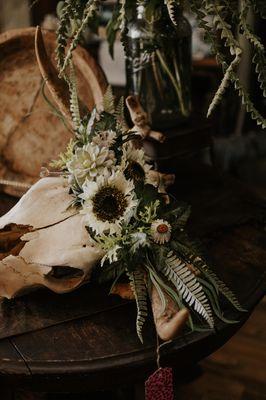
{"points": [[89, 161], [108, 202], [134, 164]]}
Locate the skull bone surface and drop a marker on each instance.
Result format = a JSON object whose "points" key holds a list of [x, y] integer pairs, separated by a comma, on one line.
{"points": [[44, 242]]}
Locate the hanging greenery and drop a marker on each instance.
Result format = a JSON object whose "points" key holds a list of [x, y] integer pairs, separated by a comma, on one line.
{"points": [[221, 20]]}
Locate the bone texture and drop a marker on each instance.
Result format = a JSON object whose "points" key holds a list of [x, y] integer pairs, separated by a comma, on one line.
{"points": [[48, 237], [140, 120]]}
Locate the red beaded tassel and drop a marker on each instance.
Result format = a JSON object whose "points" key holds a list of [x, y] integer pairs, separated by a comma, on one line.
{"points": [[159, 386]]}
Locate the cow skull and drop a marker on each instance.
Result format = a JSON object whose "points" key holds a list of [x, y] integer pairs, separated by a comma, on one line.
{"points": [[44, 242]]}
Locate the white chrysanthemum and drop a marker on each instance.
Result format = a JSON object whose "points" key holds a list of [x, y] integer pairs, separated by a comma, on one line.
{"points": [[161, 231], [90, 161], [134, 163], [108, 202], [104, 138]]}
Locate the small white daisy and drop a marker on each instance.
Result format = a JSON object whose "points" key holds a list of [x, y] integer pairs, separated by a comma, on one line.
{"points": [[90, 161], [161, 231], [108, 202]]}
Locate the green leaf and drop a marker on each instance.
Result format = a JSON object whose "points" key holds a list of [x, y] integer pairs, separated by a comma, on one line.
{"points": [[109, 101], [138, 285], [188, 286]]}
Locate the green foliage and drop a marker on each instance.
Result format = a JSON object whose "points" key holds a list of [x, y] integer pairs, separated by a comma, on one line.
{"points": [[138, 286], [80, 12], [109, 101], [188, 287], [192, 253], [225, 16], [227, 22], [219, 285], [60, 164], [74, 101]]}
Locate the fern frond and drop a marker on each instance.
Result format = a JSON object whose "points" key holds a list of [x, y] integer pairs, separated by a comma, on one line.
{"points": [[120, 115], [74, 101], [214, 302], [225, 32], [171, 4], [250, 108], [216, 281], [189, 288], [202, 9], [225, 83], [259, 58], [120, 109], [62, 31], [109, 101], [138, 286], [90, 8]]}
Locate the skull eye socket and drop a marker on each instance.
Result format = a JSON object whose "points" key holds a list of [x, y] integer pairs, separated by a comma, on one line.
{"points": [[65, 273], [10, 239]]}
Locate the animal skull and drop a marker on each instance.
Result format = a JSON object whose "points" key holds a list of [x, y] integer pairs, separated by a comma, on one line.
{"points": [[43, 242]]}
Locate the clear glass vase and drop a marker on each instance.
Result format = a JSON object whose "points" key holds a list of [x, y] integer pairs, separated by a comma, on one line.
{"points": [[158, 66]]}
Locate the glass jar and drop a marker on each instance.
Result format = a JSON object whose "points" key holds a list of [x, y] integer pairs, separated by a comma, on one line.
{"points": [[158, 66]]}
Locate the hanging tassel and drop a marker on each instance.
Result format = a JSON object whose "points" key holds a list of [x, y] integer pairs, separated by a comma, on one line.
{"points": [[159, 386]]}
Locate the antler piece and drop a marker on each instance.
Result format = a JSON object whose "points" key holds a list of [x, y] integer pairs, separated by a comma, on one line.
{"points": [[140, 120], [160, 180], [58, 87], [170, 322]]}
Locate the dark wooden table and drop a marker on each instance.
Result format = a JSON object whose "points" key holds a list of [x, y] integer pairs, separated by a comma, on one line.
{"points": [[101, 350]]}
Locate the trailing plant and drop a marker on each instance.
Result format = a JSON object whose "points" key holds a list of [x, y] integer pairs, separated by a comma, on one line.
{"points": [[221, 20]]}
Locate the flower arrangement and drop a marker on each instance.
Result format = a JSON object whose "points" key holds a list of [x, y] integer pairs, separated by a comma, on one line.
{"points": [[222, 21], [141, 230]]}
